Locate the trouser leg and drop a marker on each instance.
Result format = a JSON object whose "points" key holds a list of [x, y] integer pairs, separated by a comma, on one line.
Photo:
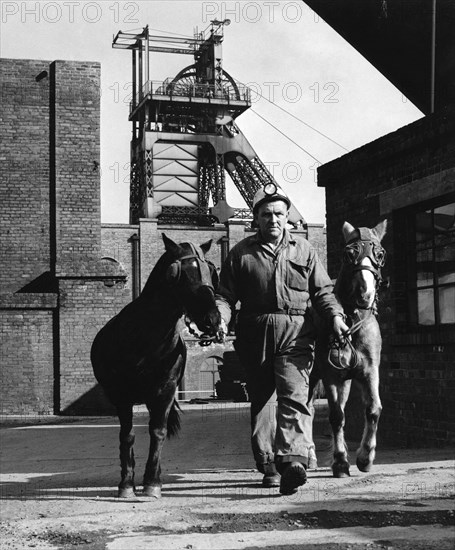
{"points": [[251, 346], [278, 354], [294, 434], [263, 427]]}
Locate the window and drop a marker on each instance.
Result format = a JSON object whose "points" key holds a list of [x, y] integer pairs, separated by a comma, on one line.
{"points": [[430, 258]]}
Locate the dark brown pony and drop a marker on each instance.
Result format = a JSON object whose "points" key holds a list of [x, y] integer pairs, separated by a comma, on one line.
{"points": [[139, 357], [359, 356]]}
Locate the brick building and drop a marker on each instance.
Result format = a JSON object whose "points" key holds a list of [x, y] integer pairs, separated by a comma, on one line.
{"points": [[63, 273], [55, 290], [407, 177]]}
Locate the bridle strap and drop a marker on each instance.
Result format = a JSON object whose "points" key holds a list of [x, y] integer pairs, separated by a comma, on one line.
{"points": [[194, 256], [376, 272]]}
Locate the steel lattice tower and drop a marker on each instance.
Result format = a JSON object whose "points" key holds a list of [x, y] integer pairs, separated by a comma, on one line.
{"points": [[184, 136]]}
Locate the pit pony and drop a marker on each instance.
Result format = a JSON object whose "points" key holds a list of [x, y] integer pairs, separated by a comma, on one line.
{"points": [[139, 357], [358, 357]]}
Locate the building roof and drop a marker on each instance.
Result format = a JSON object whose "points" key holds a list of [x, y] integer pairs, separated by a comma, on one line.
{"points": [[396, 37]]}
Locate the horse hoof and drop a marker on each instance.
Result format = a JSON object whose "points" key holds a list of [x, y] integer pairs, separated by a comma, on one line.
{"points": [[126, 492], [153, 491], [364, 465], [340, 470]]}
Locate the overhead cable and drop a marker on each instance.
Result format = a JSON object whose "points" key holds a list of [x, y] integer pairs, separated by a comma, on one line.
{"points": [[299, 119], [286, 136], [305, 123]]}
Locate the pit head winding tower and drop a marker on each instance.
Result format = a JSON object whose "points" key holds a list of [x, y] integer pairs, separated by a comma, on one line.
{"points": [[184, 135]]}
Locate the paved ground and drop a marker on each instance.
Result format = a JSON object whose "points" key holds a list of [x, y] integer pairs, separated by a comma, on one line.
{"points": [[58, 490]]}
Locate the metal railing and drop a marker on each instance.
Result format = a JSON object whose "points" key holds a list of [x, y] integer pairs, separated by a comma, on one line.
{"points": [[181, 88]]}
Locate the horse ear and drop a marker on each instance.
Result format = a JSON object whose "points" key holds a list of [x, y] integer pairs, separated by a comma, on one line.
{"points": [[348, 230], [205, 247], [380, 229], [214, 275], [170, 245]]}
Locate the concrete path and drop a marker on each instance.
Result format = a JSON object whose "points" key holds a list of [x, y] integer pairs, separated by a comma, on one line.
{"points": [[58, 490]]}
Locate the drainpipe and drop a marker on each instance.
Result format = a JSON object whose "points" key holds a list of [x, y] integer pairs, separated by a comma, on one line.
{"points": [[136, 266]]}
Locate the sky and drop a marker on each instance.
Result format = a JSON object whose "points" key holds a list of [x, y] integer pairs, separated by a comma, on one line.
{"points": [[281, 49]]}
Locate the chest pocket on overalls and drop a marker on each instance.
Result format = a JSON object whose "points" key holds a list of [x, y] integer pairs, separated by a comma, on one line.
{"points": [[297, 275]]}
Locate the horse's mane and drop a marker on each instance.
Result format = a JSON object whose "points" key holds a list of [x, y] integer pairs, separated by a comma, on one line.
{"points": [[157, 277]]}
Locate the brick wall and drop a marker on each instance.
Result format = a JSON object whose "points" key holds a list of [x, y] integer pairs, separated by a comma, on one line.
{"points": [[117, 243], [55, 290], [85, 307], [318, 239], [409, 166], [75, 160], [24, 177], [91, 290], [27, 361]]}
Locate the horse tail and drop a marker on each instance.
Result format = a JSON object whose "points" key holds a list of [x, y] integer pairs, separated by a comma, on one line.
{"points": [[173, 420]]}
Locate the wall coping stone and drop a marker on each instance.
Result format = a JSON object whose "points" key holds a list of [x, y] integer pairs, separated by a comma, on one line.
{"points": [[190, 228], [119, 226], [101, 269]]}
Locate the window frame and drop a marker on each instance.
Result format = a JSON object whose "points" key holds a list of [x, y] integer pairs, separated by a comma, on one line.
{"points": [[406, 265]]}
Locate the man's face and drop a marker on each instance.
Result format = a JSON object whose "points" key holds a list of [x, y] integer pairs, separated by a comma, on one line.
{"points": [[271, 218]]}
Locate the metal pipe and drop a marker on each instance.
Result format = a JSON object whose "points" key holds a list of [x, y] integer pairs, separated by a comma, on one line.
{"points": [[134, 75], [136, 266], [433, 56], [146, 52], [140, 69]]}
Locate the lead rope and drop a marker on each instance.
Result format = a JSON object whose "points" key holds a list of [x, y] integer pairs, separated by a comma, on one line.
{"points": [[205, 339], [336, 346]]}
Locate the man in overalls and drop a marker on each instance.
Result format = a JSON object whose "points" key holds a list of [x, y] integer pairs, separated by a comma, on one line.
{"points": [[273, 274]]}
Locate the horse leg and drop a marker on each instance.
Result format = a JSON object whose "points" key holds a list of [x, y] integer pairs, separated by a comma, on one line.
{"points": [[337, 395], [159, 413], [126, 486], [367, 450]]}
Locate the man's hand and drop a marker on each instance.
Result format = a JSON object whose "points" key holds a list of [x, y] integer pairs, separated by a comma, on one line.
{"points": [[223, 327], [340, 328], [222, 332]]}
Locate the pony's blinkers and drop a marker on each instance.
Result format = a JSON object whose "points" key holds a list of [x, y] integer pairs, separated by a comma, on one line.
{"points": [[196, 279], [366, 247], [174, 271]]}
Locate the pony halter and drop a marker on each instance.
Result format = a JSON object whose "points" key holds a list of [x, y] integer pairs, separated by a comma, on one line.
{"points": [[175, 269], [358, 250]]}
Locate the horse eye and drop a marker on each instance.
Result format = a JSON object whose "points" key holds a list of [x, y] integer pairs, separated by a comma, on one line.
{"points": [[351, 254]]}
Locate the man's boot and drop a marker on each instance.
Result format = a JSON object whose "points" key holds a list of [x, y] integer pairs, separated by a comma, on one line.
{"points": [[271, 476], [293, 475]]}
